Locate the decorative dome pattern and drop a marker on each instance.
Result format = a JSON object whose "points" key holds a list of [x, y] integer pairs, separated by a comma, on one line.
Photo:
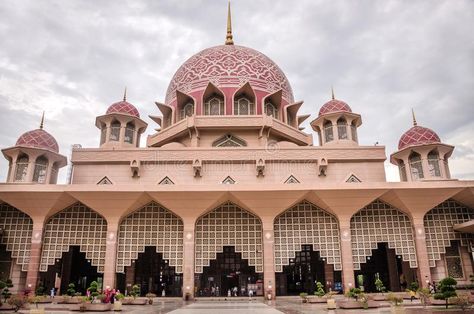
{"points": [[38, 138], [229, 66], [123, 107], [418, 135], [334, 105]]}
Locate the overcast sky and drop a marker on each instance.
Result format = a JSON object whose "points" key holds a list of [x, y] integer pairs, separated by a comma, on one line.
{"points": [[73, 59]]}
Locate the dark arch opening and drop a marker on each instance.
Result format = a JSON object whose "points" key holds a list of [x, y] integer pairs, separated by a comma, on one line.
{"points": [[228, 273]]}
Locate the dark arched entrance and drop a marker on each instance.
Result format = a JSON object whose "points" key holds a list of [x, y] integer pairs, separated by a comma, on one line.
{"points": [[304, 271], [395, 274], [72, 267], [5, 262], [152, 273], [227, 272]]}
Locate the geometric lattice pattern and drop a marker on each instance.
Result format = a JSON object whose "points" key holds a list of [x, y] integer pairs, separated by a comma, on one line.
{"points": [[418, 135], [228, 225], [230, 66], [380, 222], [439, 230], [17, 231], [334, 105], [123, 107], [38, 138], [306, 224], [151, 225], [76, 225]]}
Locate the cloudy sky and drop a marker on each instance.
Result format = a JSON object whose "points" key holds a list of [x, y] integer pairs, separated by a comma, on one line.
{"points": [[73, 59]]}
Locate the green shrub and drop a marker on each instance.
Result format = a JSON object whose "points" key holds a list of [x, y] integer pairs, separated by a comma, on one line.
{"points": [[71, 289], [354, 293], [379, 284], [319, 289], [447, 289], [394, 299], [413, 286], [40, 290], [17, 301], [94, 289], [6, 294], [135, 291]]}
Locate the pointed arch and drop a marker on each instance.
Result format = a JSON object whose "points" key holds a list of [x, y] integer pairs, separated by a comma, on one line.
{"points": [[186, 105], [228, 225], [380, 222], [150, 225], [291, 179], [271, 105], [244, 101], [77, 225], [306, 224], [352, 178], [104, 181], [439, 222], [229, 140], [17, 229], [213, 101], [166, 180]]}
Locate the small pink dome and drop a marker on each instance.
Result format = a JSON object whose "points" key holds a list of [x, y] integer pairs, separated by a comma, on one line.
{"points": [[334, 105], [418, 135], [123, 107], [38, 138]]}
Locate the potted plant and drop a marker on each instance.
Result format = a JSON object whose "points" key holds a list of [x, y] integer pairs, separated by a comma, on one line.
{"points": [[150, 297], [396, 303], [135, 291], [5, 285], [360, 281], [331, 303], [363, 299], [71, 289], [118, 302], [304, 297], [82, 303], [93, 290], [380, 288], [17, 301], [447, 289], [35, 300]]}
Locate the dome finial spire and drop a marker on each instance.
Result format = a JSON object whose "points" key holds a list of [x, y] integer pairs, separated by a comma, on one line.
{"points": [[229, 39], [42, 121], [125, 94], [413, 115], [332, 92]]}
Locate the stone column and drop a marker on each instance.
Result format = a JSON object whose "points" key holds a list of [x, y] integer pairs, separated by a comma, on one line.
{"points": [[12, 173], [348, 279], [424, 273], [35, 255], [269, 282], [110, 254], [188, 257], [49, 172]]}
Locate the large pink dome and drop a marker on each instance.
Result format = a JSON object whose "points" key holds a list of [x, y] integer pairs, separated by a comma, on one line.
{"points": [[418, 135], [38, 138], [334, 105], [123, 107], [229, 66]]}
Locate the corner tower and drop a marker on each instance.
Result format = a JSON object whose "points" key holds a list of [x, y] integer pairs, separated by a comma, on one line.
{"points": [[421, 155], [35, 158]]}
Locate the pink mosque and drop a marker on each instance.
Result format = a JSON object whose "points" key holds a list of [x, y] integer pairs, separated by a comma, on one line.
{"points": [[231, 192]]}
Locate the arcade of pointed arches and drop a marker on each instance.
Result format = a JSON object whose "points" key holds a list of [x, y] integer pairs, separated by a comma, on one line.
{"points": [[228, 225]]}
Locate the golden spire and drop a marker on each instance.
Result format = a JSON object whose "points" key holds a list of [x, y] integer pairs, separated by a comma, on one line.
{"points": [[42, 121], [229, 39], [332, 92], [125, 94], [413, 115]]}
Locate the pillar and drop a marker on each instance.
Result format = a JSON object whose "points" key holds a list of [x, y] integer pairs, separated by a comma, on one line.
{"points": [[269, 282], [424, 274], [110, 254], [348, 279], [188, 257], [32, 274]]}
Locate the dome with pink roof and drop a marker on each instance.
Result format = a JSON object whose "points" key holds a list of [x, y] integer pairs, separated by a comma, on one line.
{"points": [[123, 107], [418, 135], [38, 138]]}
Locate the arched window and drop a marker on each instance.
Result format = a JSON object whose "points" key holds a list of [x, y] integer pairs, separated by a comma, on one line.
{"points": [[354, 131], [41, 169], [114, 131], [21, 168], [416, 166], [214, 106], [433, 164], [342, 129], [328, 133], [271, 110], [103, 133], [243, 106], [402, 170], [187, 111], [229, 140], [129, 133]]}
